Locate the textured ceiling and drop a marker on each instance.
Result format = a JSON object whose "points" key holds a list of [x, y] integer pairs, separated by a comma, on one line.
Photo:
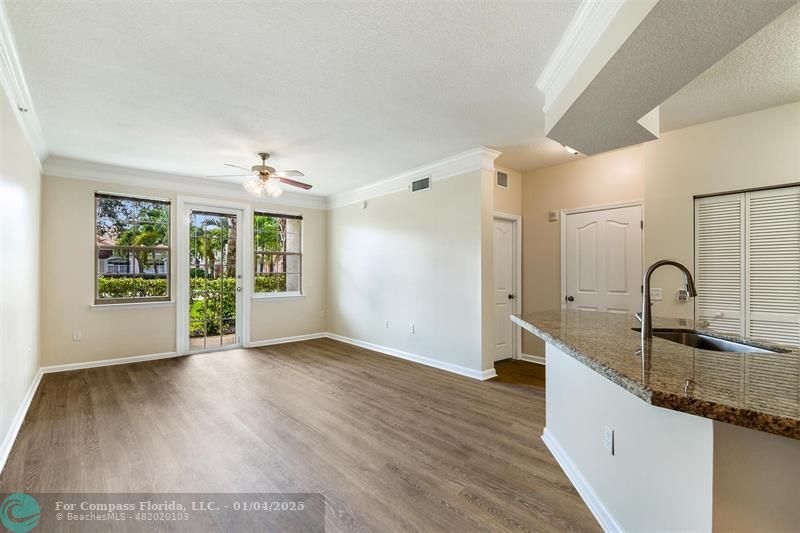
{"points": [[675, 43], [762, 72], [348, 92]]}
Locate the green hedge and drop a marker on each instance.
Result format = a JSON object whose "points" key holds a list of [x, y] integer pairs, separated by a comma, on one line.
{"points": [[119, 287], [210, 300], [271, 283]]}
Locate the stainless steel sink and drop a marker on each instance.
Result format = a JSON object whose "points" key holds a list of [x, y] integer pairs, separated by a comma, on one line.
{"points": [[704, 342]]}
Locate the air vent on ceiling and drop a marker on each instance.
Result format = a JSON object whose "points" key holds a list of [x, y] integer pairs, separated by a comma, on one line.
{"points": [[422, 184], [502, 179]]}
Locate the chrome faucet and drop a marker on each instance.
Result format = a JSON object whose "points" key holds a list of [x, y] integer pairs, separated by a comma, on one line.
{"points": [[647, 313]]}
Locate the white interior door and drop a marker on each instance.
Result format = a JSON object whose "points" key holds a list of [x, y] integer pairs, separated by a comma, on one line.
{"points": [[603, 260], [505, 290]]}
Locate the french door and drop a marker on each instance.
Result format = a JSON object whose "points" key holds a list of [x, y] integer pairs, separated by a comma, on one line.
{"points": [[214, 259]]}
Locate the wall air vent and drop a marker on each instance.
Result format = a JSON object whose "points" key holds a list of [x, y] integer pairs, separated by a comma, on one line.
{"points": [[501, 179], [422, 184]]}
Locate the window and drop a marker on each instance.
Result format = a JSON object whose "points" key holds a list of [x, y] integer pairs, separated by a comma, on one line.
{"points": [[131, 249], [278, 257], [747, 262]]}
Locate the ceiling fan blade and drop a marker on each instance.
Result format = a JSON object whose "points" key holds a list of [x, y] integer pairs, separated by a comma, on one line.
{"points": [[232, 176], [293, 183], [237, 166], [287, 173]]}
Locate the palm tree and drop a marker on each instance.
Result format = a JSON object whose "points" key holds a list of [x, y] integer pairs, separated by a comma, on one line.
{"points": [[269, 237]]}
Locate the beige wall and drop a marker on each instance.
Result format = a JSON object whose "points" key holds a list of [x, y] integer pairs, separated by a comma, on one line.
{"points": [[509, 200], [20, 186], [411, 258], [756, 480], [67, 283], [752, 150], [608, 178]]}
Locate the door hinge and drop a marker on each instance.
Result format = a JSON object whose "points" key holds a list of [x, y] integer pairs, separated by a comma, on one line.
{"points": [[641, 224]]}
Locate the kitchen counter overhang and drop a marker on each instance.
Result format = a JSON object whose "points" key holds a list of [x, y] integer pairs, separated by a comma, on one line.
{"points": [[757, 390]]}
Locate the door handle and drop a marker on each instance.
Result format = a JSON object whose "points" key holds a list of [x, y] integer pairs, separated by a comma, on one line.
{"points": [[238, 289], [511, 296], [570, 298]]}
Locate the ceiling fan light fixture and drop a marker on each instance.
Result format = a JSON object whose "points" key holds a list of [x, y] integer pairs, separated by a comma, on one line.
{"points": [[261, 188], [272, 189], [265, 179]]}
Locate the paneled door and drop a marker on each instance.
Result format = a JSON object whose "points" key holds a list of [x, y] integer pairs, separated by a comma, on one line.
{"points": [[603, 260], [505, 290], [215, 279]]}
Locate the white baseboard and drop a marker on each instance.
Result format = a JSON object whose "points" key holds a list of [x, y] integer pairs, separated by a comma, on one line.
{"points": [[167, 355], [107, 362], [283, 340], [538, 359], [16, 424], [456, 369], [603, 516]]}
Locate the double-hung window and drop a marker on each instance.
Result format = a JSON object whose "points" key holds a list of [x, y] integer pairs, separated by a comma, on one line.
{"points": [[132, 249], [278, 253]]}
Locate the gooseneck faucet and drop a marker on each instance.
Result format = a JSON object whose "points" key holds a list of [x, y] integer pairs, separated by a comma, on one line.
{"points": [[647, 313]]}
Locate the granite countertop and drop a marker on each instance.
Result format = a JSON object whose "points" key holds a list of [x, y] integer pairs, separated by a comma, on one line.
{"points": [[759, 391]]}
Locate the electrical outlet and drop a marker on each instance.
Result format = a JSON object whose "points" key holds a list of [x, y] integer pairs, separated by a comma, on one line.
{"points": [[386, 323], [608, 440], [77, 335], [412, 328], [656, 294]]}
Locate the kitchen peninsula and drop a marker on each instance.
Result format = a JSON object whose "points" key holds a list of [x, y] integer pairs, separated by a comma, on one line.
{"points": [[664, 433]]}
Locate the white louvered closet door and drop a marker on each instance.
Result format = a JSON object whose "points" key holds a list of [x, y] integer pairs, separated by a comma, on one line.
{"points": [[773, 265], [719, 262]]}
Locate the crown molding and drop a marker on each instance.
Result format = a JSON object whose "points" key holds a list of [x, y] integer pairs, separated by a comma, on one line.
{"points": [[582, 33], [13, 82], [480, 158], [62, 167]]}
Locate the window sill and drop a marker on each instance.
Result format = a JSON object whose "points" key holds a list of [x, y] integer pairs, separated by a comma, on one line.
{"points": [[132, 305], [278, 296]]}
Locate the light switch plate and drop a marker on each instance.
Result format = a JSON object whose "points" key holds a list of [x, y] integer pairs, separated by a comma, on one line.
{"points": [[656, 294]]}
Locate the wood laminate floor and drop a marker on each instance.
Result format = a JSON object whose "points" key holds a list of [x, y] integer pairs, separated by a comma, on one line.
{"points": [[518, 372], [392, 445]]}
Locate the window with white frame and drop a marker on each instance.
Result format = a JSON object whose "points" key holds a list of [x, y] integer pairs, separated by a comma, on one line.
{"points": [[132, 249], [278, 253], [747, 263]]}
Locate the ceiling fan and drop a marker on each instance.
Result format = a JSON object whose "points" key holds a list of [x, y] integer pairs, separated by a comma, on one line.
{"points": [[265, 178]]}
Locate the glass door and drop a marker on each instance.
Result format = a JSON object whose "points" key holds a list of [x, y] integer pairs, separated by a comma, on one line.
{"points": [[214, 280]]}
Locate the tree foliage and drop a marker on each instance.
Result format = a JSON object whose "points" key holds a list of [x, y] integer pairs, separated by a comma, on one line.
{"points": [[214, 299]]}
